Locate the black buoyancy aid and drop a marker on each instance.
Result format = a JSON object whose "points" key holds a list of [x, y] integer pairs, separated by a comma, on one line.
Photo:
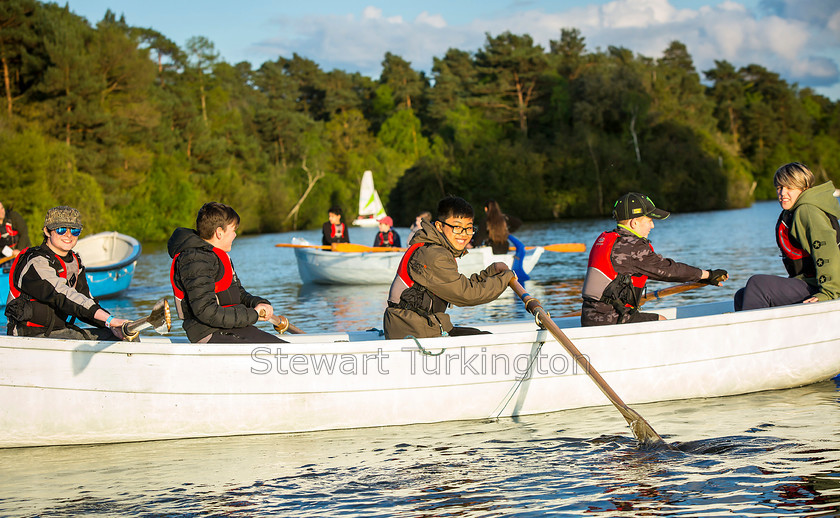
{"points": [[227, 294], [796, 260], [603, 283], [42, 314], [385, 238], [337, 231], [407, 294]]}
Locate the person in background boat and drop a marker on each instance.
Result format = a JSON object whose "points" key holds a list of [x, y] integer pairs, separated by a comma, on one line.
{"points": [[494, 229], [48, 290], [418, 224], [622, 260], [334, 230], [14, 235], [387, 236], [428, 281], [213, 304], [808, 234]]}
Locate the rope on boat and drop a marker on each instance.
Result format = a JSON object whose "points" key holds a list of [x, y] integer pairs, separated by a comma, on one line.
{"points": [[527, 374], [423, 350]]}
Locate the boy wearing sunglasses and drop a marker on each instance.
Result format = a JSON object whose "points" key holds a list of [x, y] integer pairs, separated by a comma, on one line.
{"points": [[428, 280], [48, 290]]}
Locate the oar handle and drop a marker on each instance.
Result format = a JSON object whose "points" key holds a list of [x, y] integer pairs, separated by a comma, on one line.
{"points": [[159, 318], [281, 324]]}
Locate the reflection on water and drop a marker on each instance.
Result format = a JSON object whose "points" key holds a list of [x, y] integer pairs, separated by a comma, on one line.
{"points": [[767, 454]]}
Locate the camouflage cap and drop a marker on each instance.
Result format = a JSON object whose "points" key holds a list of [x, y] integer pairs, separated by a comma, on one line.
{"points": [[63, 216]]}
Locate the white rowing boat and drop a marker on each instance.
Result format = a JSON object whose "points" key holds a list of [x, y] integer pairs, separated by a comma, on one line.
{"points": [[71, 392], [328, 267]]}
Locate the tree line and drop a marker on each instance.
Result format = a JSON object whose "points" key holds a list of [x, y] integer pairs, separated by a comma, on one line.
{"points": [[137, 132]]}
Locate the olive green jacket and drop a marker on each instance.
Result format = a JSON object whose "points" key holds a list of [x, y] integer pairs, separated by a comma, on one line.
{"points": [[812, 228], [433, 266]]}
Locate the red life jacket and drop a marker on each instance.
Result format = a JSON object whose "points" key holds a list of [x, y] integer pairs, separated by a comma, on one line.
{"points": [[381, 239], [9, 231], [337, 231], [797, 261], [402, 281], [226, 293], [601, 274], [406, 294]]}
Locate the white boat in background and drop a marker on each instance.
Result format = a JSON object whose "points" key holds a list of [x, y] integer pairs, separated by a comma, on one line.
{"points": [[329, 267], [80, 392], [370, 206]]}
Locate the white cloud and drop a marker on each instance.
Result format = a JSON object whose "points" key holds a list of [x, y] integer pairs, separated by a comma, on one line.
{"points": [[435, 20], [801, 44]]}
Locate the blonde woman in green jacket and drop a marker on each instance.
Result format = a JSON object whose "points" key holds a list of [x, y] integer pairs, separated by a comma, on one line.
{"points": [[808, 235]]}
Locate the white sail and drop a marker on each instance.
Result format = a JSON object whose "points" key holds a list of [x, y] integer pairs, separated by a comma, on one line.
{"points": [[370, 206]]}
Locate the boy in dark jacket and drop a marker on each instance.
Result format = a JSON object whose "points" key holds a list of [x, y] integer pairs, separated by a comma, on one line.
{"points": [[428, 280], [213, 304]]}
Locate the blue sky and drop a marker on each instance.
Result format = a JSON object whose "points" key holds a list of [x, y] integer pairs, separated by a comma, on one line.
{"points": [[799, 39]]}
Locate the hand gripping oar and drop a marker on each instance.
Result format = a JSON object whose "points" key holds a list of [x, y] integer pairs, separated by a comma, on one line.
{"points": [[159, 318], [656, 294], [281, 324], [643, 432]]}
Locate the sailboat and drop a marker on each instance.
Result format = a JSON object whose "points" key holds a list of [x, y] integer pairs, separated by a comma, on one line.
{"points": [[370, 206]]}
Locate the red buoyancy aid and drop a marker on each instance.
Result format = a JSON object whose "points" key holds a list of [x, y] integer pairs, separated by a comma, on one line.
{"points": [[600, 272], [381, 241], [402, 281], [796, 260], [223, 288], [337, 231], [9, 231], [40, 317]]}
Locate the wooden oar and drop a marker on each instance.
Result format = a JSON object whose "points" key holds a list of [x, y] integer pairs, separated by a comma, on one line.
{"points": [[345, 247], [281, 324], [643, 432], [159, 318], [5, 259], [656, 294], [559, 247], [565, 247]]}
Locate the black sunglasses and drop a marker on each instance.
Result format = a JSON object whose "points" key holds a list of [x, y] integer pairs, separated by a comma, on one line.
{"points": [[459, 230], [73, 231]]}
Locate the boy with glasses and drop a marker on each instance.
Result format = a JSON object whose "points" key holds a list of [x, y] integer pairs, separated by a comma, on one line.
{"points": [[428, 280], [48, 290]]}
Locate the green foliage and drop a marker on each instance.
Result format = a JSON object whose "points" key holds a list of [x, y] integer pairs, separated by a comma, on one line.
{"points": [[138, 133]]}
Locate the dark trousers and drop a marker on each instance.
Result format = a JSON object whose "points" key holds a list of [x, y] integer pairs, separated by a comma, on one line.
{"points": [[766, 291], [239, 335]]}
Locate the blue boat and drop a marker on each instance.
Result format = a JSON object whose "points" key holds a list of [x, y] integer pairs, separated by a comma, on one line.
{"points": [[109, 258]]}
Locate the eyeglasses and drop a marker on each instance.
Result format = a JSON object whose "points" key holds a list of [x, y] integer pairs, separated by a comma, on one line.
{"points": [[73, 231], [460, 230]]}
